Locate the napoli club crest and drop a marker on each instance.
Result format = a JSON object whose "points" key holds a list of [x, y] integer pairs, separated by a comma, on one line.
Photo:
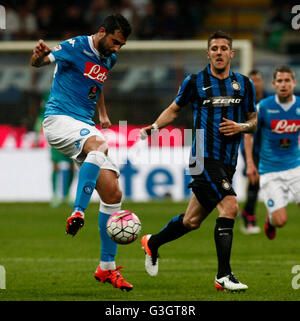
{"points": [[93, 92]]}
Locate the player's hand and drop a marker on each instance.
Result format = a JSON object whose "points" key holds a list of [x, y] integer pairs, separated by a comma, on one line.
{"points": [[145, 131], [229, 127], [41, 49], [252, 173], [105, 122]]}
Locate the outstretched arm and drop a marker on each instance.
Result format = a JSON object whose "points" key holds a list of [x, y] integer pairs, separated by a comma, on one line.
{"points": [[40, 54], [164, 119]]}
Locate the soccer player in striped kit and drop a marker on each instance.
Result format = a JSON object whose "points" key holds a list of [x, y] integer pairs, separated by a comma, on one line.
{"points": [[82, 65], [279, 157], [223, 105]]}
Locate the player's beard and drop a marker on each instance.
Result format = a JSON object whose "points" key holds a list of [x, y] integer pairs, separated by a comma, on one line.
{"points": [[103, 48]]}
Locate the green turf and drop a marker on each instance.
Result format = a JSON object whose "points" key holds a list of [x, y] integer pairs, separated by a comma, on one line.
{"points": [[42, 263]]}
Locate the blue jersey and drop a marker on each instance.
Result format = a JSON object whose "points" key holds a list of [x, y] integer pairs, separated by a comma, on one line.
{"points": [[212, 99], [78, 78], [256, 135], [279, 128]]}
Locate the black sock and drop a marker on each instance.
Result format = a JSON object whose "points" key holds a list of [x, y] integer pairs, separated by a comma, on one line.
{"points": [[223, 240], [172, 231], [251, 198]]}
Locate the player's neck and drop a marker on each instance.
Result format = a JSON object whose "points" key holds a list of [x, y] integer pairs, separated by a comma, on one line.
{"points": [[259, 95], [284, 100], [220, 73]]}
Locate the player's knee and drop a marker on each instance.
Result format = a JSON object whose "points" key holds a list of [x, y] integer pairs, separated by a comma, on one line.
{"points": [[235, 209], [114, 197], [281, 221], [95, 157], [191, 223], [231, 211], [95, 143], [102, 147]]}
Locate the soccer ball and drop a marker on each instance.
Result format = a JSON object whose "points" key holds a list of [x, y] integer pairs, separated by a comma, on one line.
{"points": [[123, 227]]}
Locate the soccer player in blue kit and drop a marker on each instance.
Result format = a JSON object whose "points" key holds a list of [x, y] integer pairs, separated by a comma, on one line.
{"points": [[279, 160], [82, 65], [223, 104]]}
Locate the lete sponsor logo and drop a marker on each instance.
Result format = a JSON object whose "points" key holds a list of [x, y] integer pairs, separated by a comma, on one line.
{"points": [[95, 72], [281, 126]]}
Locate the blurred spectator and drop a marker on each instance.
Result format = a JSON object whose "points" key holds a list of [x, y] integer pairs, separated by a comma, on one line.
{"points": [[96, 13], [45, 21], [72, 23], [171, 25], [148, 25], [127, 10], [277, 23], [141, 7]]}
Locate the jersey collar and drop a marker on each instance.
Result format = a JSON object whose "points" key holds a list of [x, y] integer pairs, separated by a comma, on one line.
{"points": [[95, 51], [285, 106], [209, 71]]}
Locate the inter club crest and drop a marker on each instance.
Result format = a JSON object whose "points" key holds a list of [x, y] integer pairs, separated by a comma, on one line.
{"points": [[235, 85]]}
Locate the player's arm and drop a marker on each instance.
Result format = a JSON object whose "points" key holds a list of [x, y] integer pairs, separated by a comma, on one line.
{"points": [[40, 54], [229, 127], [164, 119], [251, 169], [103, 118]]}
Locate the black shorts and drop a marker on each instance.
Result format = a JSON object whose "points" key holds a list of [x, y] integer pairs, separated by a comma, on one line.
{"points": [[213, 184]]}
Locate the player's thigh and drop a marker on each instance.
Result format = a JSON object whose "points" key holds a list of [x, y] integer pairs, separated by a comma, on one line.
{"points": [[69, 135], [293, 183], [107, 186], [228, 207], [279, 217], [194, 214], [274, 192], [95, 143]]}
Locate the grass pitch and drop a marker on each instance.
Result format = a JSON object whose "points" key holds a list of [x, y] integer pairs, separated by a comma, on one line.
{"points": [[44, 264]]}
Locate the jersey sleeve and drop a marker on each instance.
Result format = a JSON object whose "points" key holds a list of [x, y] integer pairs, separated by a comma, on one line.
{"points": [[63, 51], [260, 110], [249, 102], [186, 91]]}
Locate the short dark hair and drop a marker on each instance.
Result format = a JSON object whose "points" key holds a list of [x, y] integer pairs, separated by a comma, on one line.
{"points": [[255, 72], [116, 22], [220, 35], [283, 68]]}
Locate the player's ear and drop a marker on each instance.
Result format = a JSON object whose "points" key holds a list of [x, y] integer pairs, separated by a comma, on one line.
{"points": [[102, 32], [232, 54]]}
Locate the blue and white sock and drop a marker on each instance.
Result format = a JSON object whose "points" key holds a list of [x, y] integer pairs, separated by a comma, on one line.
{"points": [[87, 179], [108, 246]]}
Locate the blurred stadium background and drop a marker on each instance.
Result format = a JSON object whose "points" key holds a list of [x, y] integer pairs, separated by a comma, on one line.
{"points": [[168, 42]]}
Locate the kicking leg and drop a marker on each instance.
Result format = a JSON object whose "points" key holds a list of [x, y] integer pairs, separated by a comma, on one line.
{"points": [[110, 194], [177, 227], [95, 150]]}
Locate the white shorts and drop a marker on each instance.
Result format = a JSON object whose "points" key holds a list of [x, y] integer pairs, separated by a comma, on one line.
{"points": [[68, 136], [280, 188]]}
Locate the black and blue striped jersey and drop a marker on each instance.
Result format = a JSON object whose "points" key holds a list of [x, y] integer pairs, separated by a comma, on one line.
{"points": [[212, 99]]}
